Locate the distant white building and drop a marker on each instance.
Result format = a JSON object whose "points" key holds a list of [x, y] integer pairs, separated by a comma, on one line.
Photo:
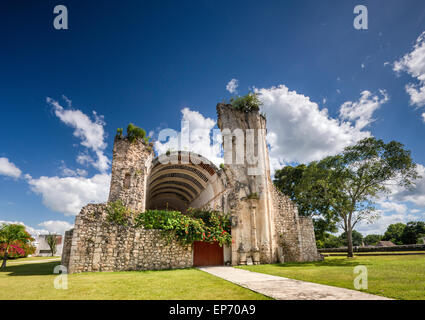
{"points": [[42, 247]]}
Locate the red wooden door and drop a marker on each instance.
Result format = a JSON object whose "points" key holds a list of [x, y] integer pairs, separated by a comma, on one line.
{"points": [[207, 254]]}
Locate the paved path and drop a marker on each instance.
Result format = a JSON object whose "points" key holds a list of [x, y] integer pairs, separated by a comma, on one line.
{"points": [[286, 289]]}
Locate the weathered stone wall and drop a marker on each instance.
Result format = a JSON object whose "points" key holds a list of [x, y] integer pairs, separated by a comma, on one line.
{"points": [[66, 251], [265, 223], [308, 240], [98, 245], [130, 169], [295, 234]]}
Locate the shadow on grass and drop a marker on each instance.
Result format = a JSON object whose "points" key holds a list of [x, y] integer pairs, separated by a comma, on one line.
{"points": [[326, 263], [31, 269]]}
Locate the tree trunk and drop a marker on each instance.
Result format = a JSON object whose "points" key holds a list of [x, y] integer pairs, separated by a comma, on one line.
{"points": [[349, 241], [3, 265]]}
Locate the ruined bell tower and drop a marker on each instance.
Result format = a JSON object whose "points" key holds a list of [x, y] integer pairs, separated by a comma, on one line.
{"points": [[130, 169], [265, 224]]}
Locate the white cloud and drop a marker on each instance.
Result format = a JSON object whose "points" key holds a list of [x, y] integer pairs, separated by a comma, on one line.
{"points": [[388, 206], [299, 131], [9, 169], [381, 225], [417, 193], [361, 111], [56, 226], [91, 133], [414, 64], [196, 137], [67, 101], [68, 195], [232, 85], [423, 117]]}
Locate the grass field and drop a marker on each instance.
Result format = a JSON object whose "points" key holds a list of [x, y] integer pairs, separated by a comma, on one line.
{"points": [[398, 277], [35, 281]]}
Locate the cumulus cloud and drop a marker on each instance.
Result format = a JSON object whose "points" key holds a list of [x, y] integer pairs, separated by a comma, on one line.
{"points": [[56, 226], [69, 194], [90, 132], [415, 195], [232, 85], [381, 225], [299, 131], [414, 64], [360, 112], [388, 206], [196, 135], [9, 169]]}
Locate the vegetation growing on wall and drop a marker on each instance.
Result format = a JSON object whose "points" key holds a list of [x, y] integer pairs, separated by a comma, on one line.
{"points": [[196, 225], [133, 133], [247, 103], [117, 213]]}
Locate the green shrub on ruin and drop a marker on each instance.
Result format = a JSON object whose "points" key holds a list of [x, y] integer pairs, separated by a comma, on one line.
{"points": [[134, 133], [247, 103], [117, 213], [195, 225]]}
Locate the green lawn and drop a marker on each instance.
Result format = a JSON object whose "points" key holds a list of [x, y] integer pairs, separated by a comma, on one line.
{"points": [[398, 277], [35, 281]]}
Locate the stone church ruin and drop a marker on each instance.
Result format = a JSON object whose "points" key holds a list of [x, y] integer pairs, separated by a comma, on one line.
{"points": [[265, 225]]}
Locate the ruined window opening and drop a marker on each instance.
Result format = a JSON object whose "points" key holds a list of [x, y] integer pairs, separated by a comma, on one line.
{"points": [[127, 180]]}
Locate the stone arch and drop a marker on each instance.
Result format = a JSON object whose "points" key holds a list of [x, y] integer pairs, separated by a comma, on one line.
{"points": [[180, 180]]}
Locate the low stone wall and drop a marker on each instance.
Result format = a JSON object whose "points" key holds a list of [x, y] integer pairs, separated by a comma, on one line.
{"points": [[308, 244], [407, 247], [66, 251], [296, 234], [98, 245]]}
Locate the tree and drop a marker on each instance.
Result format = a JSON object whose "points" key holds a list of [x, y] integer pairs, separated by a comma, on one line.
{"points": [[342, 188], [304, 185], [412, 232], [332, 241], [356, 236], [372, 239], [360, 175], [51, 241], [394, 232], [11, 233]]}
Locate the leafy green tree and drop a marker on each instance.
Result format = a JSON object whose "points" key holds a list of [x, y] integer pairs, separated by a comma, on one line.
{"points": [[332, 241], [343, 187], [305, 186], [360, 175], [412, 232], [11, 233], [51, 241], [356, 236], [372, 239], [394, 232]]}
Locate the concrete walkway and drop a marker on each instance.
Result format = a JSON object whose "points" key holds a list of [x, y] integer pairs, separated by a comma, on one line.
{"points": [[286, 289]]}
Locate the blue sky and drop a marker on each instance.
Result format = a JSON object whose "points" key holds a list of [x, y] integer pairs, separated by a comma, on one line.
{"points": [[153, 63]]}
